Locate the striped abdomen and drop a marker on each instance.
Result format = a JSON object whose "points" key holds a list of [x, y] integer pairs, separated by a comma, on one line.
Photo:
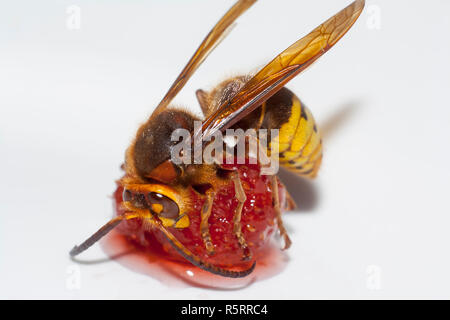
{"points": [[300, 144]]}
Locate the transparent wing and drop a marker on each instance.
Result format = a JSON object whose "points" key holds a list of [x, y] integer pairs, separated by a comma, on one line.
{"points": [[217, 34], [283, 68]]}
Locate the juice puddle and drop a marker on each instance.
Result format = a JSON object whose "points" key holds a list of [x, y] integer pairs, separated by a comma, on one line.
{"points": [[157, 265]]}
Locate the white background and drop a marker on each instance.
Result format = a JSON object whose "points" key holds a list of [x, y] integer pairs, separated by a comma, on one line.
{"points": [[375, 224]]}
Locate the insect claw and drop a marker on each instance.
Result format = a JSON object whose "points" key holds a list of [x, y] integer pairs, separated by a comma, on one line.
{"points": [[210, 248], [247, 256], [287, 242]]}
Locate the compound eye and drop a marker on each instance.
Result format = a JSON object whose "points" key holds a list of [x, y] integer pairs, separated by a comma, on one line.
{"points": [[127, 195], [163, 206], [137, 199]]}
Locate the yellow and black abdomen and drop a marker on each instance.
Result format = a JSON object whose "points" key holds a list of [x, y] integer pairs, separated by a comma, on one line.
{"points": [[298, 139]]}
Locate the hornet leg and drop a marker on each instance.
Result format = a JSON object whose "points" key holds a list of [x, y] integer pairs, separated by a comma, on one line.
{"points": [[276, 200], [263, 158], [237, 227], [204, 224]]}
